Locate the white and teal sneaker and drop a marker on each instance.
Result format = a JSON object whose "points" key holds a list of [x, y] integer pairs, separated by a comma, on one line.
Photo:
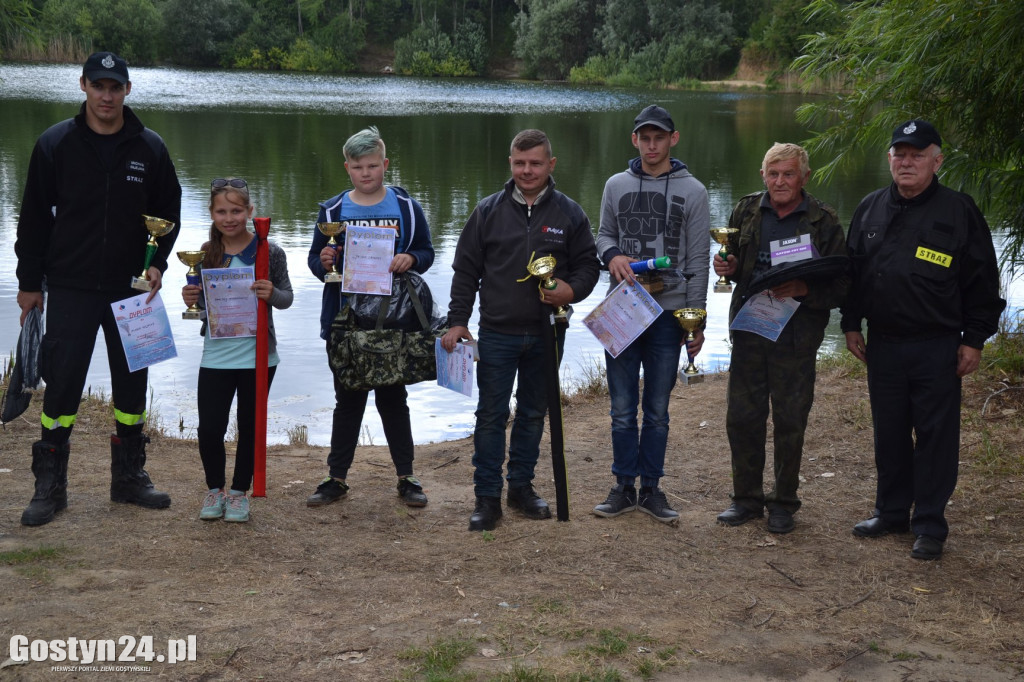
{"points": [[213, 505], [237, 509]]}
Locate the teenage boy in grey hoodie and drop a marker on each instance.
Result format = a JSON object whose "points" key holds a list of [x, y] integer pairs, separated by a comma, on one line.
{"points": [[652, 209]]}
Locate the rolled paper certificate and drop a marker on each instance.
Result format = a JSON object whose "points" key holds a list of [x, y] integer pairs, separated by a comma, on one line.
{"points": [[651, 264]]}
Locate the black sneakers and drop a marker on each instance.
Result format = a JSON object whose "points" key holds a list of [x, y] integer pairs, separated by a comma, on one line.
{"points": [[411, 492], [621, 499], [329, 490], [652, 501]]}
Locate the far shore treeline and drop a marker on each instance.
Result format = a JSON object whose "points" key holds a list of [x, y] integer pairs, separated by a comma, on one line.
{"points": [[621, 42], [956, 63]]}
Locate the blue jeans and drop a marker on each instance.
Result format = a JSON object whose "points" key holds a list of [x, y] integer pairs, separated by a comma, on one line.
{"points": [[502, 358], [637, 452]]}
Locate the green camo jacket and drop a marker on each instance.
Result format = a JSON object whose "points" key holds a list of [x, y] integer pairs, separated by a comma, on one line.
{"points": [[822, 223]]}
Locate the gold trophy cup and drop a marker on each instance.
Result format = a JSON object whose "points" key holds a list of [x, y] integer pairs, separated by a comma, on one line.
{"points": [[542, 268], [721, 235], [331, 230], [192, 259], [691, 320], [157, 227]]}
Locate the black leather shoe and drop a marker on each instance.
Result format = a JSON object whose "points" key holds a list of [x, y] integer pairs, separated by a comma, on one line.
{"points": [[525, 499], [927, 548], [485, 514], [875, 527], [737, 515], [780, 520]]}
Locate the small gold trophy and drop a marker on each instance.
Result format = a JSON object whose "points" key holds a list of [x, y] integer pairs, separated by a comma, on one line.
{"points": [[542, 268], [331, 230], [157, 227], [192, 259], [691, 319], [721, 235]]}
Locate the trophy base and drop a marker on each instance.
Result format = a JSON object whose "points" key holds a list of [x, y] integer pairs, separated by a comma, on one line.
{"points": [[141, 284], [690, 379], [193, 315], [723, 288], [332, 277]]}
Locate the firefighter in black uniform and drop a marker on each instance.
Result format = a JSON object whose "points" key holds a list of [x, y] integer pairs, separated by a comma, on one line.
{"points": [[925, 278], [81, 233]]}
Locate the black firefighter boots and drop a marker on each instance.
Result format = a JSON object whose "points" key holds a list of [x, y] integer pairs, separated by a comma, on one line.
{"points": [[486, 513], [50, 466], [129, 481]]}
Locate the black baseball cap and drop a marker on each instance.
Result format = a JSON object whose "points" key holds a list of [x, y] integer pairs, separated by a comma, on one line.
{"points": [[101, 65], [916, 133], [654, 116]]}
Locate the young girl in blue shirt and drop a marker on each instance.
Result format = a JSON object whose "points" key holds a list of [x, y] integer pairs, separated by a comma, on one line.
{"points": [[228, 365]]}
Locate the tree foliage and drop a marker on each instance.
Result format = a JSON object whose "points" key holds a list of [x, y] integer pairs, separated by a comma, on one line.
{"points": [[660, 42], [199, 32], [956, 63], [16, 18], [629, 42], [552, 35]]}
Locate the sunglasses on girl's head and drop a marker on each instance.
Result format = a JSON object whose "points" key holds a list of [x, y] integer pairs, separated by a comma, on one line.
{"points": [[237, 183]]}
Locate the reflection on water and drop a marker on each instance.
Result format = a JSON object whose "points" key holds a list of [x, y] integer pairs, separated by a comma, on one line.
{"points": [[448, 145]]}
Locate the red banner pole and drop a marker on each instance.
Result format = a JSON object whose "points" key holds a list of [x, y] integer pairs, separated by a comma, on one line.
{"points": [[259, 483]]}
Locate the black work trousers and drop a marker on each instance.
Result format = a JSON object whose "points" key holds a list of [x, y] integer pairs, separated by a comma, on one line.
{"points": [[348, 420], [73, 318], [915, 406]]}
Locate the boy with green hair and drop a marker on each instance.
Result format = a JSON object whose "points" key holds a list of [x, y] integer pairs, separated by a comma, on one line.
{"points": [[370, 203]]}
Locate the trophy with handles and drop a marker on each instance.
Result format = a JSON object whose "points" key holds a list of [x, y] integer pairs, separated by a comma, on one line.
{"points": [[331, 230], [721, 235], [157, 227], [192, 259], [543, 268], [691, 320]]}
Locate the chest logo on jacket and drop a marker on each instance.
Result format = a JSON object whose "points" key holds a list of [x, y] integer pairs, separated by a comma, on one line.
{"points": [[936, 257]]}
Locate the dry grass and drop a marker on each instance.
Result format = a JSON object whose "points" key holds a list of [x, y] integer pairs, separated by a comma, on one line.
{"points": [[367, 589]]}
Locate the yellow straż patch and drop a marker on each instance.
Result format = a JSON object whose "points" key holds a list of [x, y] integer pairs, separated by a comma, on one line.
{"points": [[934, 257]]}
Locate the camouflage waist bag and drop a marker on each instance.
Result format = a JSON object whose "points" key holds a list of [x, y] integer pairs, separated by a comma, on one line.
{"points": [[365, 359]]}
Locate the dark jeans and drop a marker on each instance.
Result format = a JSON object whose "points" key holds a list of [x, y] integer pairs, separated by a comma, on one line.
{"points": [[503, 359], [915, 405], [217, 389], [348, 420], [638, 451], [72, 319], [763, 371]]}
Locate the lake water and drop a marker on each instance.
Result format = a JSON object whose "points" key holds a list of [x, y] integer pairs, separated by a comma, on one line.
{"points": [[447, 141]]}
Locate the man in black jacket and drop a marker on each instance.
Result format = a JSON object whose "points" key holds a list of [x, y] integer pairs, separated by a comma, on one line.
{"points": [[528, 218], [925, 278], [81, 238]]}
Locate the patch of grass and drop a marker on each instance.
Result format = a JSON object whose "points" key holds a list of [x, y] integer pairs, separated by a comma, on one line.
{"points": [[592, 382], [440, 659], [298, 435], [552, 606], [610, 643], [521, 673], [31, 556], [841, 363], [1003, 355], [33, 563], [904, 656], [605, 674]]}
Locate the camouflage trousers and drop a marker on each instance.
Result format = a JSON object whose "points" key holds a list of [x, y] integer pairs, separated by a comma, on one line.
{"points": [[763, 371]]}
